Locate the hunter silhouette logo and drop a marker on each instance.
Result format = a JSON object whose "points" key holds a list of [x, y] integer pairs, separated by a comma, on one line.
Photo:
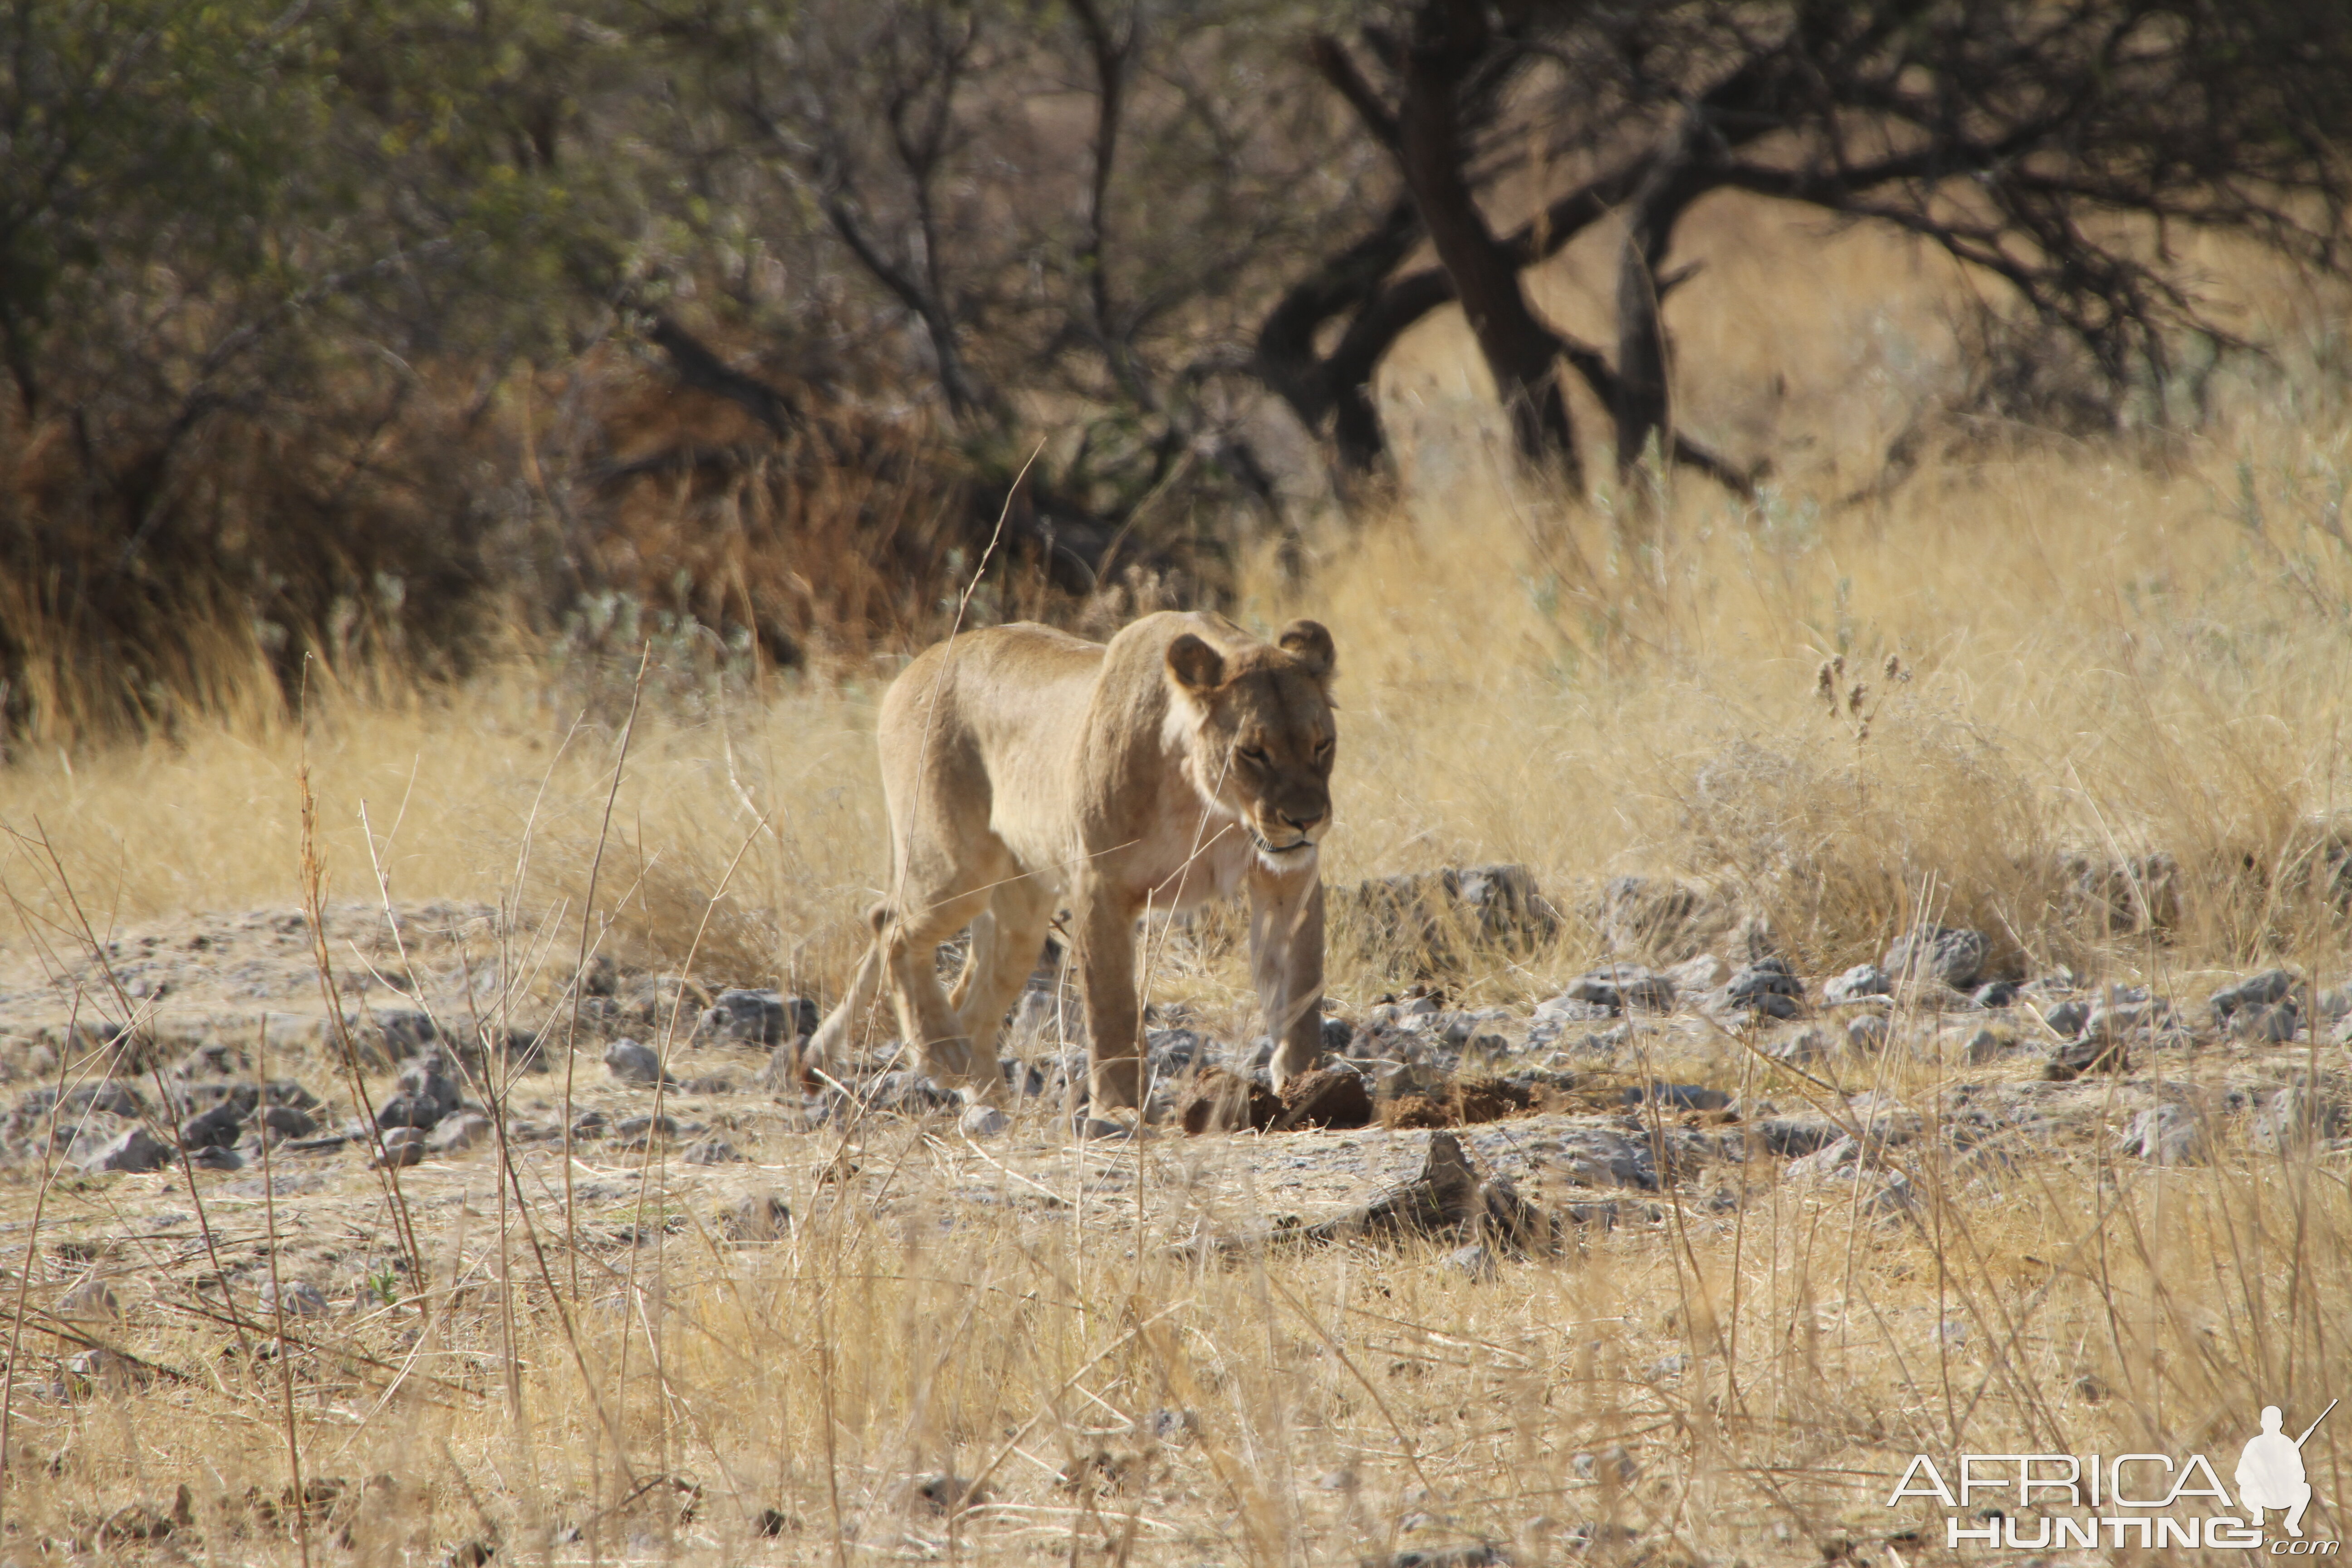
{"points": [[2153, 1501], [2270, 1472]]}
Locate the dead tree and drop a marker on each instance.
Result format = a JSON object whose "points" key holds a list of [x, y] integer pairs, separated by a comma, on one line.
{"points": [[2058, 149]]}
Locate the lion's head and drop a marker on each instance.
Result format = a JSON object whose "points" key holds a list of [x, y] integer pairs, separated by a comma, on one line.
{"points": [[1261, 735]]}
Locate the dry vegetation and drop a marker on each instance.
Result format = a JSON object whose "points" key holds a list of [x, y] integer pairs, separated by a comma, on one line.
{"points": [[2106, 651]]}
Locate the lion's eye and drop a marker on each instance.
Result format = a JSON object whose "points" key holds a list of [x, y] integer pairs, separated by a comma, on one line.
{"points": [[1323, 747], [1254, 756]]}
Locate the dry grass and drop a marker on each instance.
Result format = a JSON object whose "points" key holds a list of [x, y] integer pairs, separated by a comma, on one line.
{"points": [[2104, 652]]}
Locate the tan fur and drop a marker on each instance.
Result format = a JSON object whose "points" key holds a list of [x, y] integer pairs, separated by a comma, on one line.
{"points": [[1027, 770]]}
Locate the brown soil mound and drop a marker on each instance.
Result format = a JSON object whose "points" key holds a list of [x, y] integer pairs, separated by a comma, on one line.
{"points": [[1411, 1111], [1477, 1100], [1221, 1101], [1328, 1097]]}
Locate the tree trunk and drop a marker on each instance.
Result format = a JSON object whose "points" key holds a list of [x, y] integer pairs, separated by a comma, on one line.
{"points": [[1641, 405], [1337, 388], [1449, 37]]}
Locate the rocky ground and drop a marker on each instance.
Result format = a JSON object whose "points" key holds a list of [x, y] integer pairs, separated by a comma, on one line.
{"points": [[163, 1071]]}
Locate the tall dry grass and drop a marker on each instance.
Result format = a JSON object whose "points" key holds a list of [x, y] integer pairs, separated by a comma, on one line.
{"points": [[2096, 662]]}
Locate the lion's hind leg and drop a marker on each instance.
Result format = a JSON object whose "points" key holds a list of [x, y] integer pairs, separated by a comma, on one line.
{"points": [[830, 1045], [1005, 945], [910, 942]]}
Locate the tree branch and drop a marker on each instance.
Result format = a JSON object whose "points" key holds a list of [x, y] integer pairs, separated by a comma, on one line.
{"points": [[698, 366]]}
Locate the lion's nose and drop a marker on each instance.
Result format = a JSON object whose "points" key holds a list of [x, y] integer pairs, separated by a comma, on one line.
{"points": [[1301, 821]]}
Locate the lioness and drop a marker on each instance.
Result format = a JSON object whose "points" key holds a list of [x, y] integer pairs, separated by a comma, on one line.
{"points": [[1025, 769]]}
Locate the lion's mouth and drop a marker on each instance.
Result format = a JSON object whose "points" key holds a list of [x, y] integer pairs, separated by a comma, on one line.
{"points": [[1266, 847]]}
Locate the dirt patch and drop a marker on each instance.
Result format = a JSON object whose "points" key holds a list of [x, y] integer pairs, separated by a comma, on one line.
{"points": [[1409, 1112], [1477, 1100], [1464, 1102], [1221, 1101], [1328, 1097]]}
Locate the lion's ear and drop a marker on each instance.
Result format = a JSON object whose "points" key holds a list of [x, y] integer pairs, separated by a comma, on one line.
{"points": [[1312, 644], [1198, 668]]}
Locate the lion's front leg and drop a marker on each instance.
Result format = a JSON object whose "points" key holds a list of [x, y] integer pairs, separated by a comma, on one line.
{"points": [[1287, 962], [1104, 947]]}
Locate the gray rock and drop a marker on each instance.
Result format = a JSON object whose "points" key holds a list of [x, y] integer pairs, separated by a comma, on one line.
{"points": [[287, 1121], [1952, 955], [630, 1127], [404, 1032], [2073, 1060], [2165, 1134], [1803, 1046], [1475, 1261], [1338, 1035], [1471, 1554], [455, 1134], [2297, 1116], [765, 1018], [1863, 980], [1891, 1197], [1765, 977], [1792, 1136], [299, 1297], [1624, 986], [983, 1121], [2066, 1018], [1981, 1046], [908, 1094], [1867, 1033], [1572, 1010], [2125, 1016], [403, 1146], [217, 1158], [92, 1300], [712, 1151], [1177, 1428], [1839, 1156], [1678, 1097], [221, 1126], [110, 1098], [1170, 1052], [134, 1152], [430, 1077], [2271, 987], [1996, 993], [1695, 975], [632, 1063], [2264, 1023], [1589, 1156], [1093, 1129], [420, 1111], [28, 1124], [655, 1000]]}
